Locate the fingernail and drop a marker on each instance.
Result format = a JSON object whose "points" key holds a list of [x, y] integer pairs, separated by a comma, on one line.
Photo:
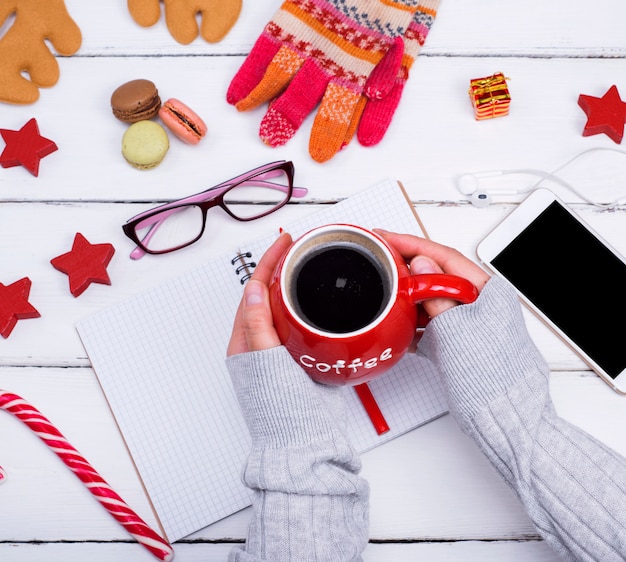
{"points": [[253, 293], [422, 265], [381, 231]]}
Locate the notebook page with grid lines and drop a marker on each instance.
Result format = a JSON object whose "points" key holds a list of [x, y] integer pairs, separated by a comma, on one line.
{"points": [[159, 358]]}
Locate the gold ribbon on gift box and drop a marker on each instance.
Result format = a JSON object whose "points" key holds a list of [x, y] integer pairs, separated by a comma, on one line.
{"points": [[490, 95]]}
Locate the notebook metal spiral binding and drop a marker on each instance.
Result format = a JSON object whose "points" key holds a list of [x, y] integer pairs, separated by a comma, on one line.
{"points": [[244, 267]]}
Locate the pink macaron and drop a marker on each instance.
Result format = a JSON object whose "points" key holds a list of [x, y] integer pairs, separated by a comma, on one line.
{"points": [[182, 121]]}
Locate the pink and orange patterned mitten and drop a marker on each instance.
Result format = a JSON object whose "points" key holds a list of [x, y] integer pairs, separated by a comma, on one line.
{"points": [[320, 52]]}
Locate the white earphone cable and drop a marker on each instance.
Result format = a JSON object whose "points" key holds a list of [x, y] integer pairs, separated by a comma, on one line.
{"points": [[468, 183], [553, 177]]}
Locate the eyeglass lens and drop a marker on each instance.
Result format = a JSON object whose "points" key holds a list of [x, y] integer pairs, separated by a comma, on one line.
{"points": [[258, 196], [171, 228]]}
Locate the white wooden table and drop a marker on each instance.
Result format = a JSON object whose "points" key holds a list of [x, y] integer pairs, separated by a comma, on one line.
{"points": [[433, 495]]}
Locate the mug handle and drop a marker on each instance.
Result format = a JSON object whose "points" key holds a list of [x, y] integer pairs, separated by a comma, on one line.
{"points": [[425, 286]]}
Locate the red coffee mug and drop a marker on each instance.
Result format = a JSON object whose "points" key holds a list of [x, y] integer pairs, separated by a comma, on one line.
{"points": [[344, 303]]}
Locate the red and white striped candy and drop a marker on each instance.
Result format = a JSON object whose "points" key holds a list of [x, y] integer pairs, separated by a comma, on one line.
{"points": [[114, 504]]}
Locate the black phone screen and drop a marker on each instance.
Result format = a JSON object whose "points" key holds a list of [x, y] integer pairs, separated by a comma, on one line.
{"points": [[575, 280]]}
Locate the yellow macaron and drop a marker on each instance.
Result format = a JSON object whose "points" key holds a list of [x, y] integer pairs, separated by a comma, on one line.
{"points": [[145, 144]]}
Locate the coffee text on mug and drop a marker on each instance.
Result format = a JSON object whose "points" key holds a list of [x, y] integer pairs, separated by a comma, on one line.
{"points": [[341, 365]]}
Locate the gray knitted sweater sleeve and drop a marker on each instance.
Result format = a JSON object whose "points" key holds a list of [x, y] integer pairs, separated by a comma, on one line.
{"points": [[309, 502], [573, 487]]}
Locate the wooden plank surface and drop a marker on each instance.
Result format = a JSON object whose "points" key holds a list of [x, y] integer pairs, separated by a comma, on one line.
{"points": [[434, 497]]}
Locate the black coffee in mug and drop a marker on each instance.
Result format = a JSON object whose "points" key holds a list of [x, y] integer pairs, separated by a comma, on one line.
{"points": [[339, 289], [340, 286]]}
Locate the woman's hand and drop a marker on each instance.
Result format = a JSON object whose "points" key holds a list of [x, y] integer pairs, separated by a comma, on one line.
{"points": [[253, 329], [426, 256]]}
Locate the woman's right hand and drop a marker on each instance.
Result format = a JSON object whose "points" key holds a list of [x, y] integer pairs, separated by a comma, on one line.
{"points": [[426, 256]]}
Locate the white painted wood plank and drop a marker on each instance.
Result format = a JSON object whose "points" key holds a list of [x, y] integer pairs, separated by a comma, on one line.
{"points": [[473, 551], [36, 233], [481, 27], [433, 139]]}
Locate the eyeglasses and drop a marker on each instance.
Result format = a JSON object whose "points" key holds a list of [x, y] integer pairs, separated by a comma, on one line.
{"points": [[247, 197]]}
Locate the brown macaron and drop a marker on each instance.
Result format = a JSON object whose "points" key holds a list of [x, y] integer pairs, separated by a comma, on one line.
{"points": [[136, 100]]}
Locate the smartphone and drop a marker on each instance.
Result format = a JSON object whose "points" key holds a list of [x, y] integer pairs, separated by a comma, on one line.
{"points": [[567, 275]]}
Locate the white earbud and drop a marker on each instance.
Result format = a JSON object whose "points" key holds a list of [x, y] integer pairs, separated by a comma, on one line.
{"points": [[469, 184], [481, 198]]}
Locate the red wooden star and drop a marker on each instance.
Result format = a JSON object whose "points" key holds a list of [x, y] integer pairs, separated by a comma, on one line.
{"points": [[14, 305], [25, 147], [85, 264], [604, 115]]}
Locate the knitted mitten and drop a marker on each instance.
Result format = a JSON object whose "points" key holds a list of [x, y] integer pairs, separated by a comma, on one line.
{"points": [[218, 17], [377, 108], [319, 51]]}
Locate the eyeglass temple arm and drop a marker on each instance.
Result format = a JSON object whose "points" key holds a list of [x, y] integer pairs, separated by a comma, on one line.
{"points": [[215, 191], [219, 189]]}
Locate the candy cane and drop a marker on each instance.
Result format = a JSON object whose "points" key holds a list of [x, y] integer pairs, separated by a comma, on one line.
{"points": [[113, 503]]}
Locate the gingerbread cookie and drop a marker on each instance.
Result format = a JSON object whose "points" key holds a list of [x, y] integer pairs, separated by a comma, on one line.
{"points": [[218, 17], [26, 63]]}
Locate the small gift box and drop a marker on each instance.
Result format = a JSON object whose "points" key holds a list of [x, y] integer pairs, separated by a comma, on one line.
{"points": [[490, 96]]}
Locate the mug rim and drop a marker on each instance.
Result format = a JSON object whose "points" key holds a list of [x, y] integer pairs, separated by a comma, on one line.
{"points": [[318, 231]]}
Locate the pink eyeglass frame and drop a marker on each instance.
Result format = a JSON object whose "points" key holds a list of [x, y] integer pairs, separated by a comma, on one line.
{"points": [[207, 199]]}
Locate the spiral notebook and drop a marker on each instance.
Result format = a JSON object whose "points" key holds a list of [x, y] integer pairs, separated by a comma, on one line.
{"points": [[159, 357]]}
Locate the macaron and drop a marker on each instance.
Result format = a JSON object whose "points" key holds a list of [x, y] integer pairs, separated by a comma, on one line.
{"points": [[136, 100], [145, 144], [184, 123]]}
